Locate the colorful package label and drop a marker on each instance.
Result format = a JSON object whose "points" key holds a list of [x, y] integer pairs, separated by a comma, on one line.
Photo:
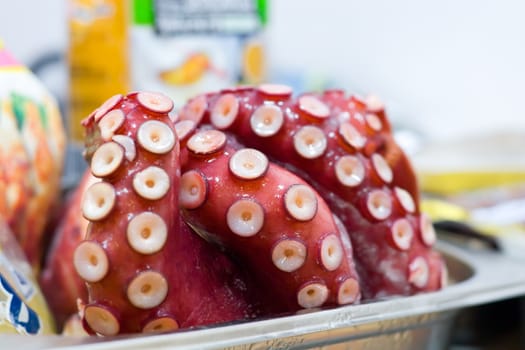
{"points": [[184, 48], [233, 17], [23, 309]]}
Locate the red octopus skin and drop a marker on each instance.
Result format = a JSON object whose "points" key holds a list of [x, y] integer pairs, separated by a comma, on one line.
{"points": [[376, 173], [144, 268], [270, 219], [59, 281]]}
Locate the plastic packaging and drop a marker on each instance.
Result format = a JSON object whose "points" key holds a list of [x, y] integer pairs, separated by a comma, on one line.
{"points": [[32, 149], [23, 309]]}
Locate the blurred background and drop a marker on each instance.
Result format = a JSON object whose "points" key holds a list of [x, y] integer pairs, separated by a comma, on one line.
{"points": [[447, 68], [451, 74]]}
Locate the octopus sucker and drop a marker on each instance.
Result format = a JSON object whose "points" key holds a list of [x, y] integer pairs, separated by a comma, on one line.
{"points": [[90, 261], [275, 90], [428, 233], [348, 292], [379, 204], [374, 104], [184, 128], [300, 202], [155, 102], [350, 171], [101, 320], [405, 199], [98, 201], [382, 168], [206, 142], [373, 122], [331, 252], [248, 164], [312, 295], [193, 191], [195, 109], [402, 234], [351, 135], [310, 142], [224, 111], [151, 183], [289, 254], [418, 272], [147, 290], [147, 233], [156, 137], [161, 325], [107, 159], [313, 107], [106, 106], [127, 143], [245, 217], [110, 123], [266, 120]]}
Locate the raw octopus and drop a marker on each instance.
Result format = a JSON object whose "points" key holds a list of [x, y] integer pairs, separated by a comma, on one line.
{"points": [[309, 200]]}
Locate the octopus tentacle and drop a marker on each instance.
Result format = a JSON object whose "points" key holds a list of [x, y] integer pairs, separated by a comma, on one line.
{"points": [[343, 146], [133, 214], [272, 220]]}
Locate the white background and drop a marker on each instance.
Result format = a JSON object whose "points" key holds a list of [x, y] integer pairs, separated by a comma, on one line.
{"points": [[447, 68]]}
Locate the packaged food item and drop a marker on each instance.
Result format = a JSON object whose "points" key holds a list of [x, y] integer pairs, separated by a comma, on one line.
{"points": [[180, 48], [98, 56], [23, 309], [183, 48], [32, 149]]}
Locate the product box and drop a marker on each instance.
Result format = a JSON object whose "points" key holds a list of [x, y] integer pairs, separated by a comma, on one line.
{"points": [[178, 47]]}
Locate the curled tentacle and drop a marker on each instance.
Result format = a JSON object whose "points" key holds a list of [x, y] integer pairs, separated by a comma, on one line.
{"points": [[144, 267], [271, 219]]}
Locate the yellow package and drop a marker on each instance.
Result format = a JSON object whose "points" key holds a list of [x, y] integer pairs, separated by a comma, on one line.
{"points": [[98, 57], [23, 309], [181, 48]]}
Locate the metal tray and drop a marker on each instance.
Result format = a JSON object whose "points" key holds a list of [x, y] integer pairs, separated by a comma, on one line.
{"points": [[422, 321]]}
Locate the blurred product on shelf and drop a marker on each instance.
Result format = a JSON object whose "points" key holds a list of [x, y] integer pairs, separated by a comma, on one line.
{"points": [[472, 163], [180, 48], [98, 60], [183, 48], [23, 309], [475, 186], [32, 149]]}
